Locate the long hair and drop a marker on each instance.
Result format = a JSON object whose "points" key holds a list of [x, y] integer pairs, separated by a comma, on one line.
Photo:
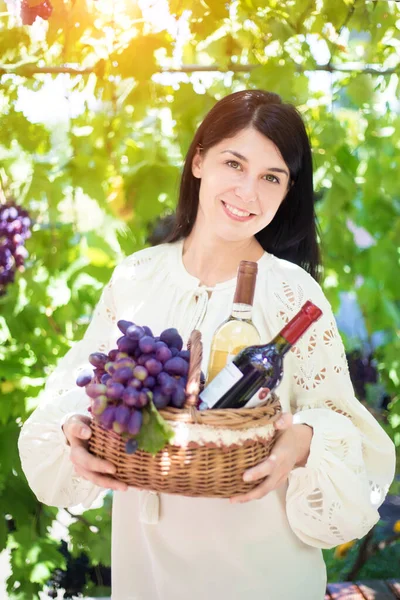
{"points": [[292, 234]]}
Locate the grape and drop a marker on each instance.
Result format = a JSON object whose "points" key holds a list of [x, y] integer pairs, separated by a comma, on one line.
{"points": [[174, 352], [166, 382], [143, 397], [123, 325], [134, 332], [44, 10], [140, 372], [107, 417], [121, 355], [160, 400], [185, 354], [148, 331], [122, 415], [14, 230], [153, 366], [127, 345], [109, 367], [135, 422], [147, 344], [168, 385], [84, 378], [178, 397], [172, 338], [106, 377], [131, 396], [136, 384], [98, 373], [143, 358], [123, 375], [149, 382], [115, 390], [163, 378], [125, 362], [98, 359], [163, 353], [30, 13], [131, 446], [112, 355], [99, 405], [176, 366], [95, 389]]}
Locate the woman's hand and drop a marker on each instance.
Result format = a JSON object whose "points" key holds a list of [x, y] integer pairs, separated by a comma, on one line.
{"points": [[291, 449], [77, 432]]}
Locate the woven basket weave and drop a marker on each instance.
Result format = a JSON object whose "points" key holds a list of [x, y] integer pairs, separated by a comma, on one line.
{"points": [[210, 451]]}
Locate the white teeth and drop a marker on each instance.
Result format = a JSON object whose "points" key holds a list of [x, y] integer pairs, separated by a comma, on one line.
{"points": [[236, 211]]}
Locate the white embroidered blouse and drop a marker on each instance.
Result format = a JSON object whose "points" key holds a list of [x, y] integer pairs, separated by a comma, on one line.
{"points": [[171, 547]]}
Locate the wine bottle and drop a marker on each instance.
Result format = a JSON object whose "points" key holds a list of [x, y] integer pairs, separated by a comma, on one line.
{"points": [[238, 331], [256, 367]]}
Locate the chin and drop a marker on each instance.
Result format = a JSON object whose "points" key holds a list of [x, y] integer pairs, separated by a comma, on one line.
{"points": [[234, 236]]}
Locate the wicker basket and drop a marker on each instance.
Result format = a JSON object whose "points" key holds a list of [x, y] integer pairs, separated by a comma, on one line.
{"points": [[210, 451]]}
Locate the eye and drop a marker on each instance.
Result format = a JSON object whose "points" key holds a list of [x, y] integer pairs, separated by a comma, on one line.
{"points": [[233, 164], [273, 180]]}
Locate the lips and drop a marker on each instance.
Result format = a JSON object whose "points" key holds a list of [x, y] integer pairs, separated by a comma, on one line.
{"points": [[236, 213]]}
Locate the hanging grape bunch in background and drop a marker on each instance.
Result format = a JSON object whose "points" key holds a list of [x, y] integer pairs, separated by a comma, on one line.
{"points": [[14, 230], [31, 9]]}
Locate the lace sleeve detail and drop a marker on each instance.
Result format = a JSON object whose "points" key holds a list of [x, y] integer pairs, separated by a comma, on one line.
{"points": [[43, 449], [335, 497]]}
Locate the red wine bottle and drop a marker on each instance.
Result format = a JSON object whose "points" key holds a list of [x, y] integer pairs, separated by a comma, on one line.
{"points": [[257, 367]]}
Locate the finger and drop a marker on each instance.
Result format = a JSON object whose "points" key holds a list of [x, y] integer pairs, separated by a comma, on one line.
{"points": [[263, 393], [77, 428], [102, 480], [284, 422], [267, 486], [255, 494], [83, 459], [262, 470]]}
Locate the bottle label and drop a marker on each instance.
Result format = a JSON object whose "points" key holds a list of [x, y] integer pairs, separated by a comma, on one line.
{"points": [[221, 384]]}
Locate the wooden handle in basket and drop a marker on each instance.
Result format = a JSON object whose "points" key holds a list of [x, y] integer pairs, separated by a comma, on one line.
{"points": [[196, 355]]}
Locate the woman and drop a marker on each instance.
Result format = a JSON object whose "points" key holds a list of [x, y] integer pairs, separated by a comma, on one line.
{"points": [[246, 194]]}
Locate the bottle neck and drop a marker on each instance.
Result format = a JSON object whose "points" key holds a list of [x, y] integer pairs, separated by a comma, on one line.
{"points": [[281, 344], [241, 311]]}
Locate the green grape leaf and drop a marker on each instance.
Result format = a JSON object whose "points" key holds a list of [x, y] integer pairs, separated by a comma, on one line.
{"points": [[155, 431]]}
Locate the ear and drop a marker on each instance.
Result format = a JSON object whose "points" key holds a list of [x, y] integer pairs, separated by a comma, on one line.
{"points": [[197, 163]]}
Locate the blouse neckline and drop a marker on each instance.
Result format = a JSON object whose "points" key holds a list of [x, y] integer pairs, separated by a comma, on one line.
{"points": [[179, 270]]}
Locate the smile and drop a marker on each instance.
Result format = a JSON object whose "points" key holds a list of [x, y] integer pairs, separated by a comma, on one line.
{"points": [[236, 213]]}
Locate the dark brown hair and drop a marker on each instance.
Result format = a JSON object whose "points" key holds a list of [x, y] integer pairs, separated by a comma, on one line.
{"points": [[292, 234]]}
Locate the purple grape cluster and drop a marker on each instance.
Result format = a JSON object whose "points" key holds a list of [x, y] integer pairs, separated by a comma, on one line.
{"points": [[30, 13], [14, 230], [142, 369]]}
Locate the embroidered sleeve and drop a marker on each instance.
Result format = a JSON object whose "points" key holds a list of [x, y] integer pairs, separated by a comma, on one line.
{"points": [[335, 497]]}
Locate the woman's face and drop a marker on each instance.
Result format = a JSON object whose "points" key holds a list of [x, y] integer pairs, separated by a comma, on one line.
{"points": [[243, 182]]}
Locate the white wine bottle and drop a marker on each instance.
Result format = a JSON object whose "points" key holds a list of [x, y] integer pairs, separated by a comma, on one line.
{"points": [[238, 331]]}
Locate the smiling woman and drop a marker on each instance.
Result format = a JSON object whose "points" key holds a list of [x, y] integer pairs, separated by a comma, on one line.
{"points": [[246, 194], [250, 162]]}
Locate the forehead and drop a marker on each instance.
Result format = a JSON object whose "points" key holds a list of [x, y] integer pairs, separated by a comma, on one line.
{"points": [[251, 143]]}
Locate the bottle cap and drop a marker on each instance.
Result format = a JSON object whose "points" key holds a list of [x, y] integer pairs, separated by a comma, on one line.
{"points": [[246, 282], [308, 314]]}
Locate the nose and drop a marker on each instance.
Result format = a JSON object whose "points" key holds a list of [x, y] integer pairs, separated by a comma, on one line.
{"points": [[247, 190]]}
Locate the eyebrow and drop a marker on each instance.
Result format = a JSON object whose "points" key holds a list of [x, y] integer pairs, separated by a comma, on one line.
{"points": [[241, 157]]}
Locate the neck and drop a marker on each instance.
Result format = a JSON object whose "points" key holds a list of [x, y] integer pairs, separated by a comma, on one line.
{"points": [[214, 260]]}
